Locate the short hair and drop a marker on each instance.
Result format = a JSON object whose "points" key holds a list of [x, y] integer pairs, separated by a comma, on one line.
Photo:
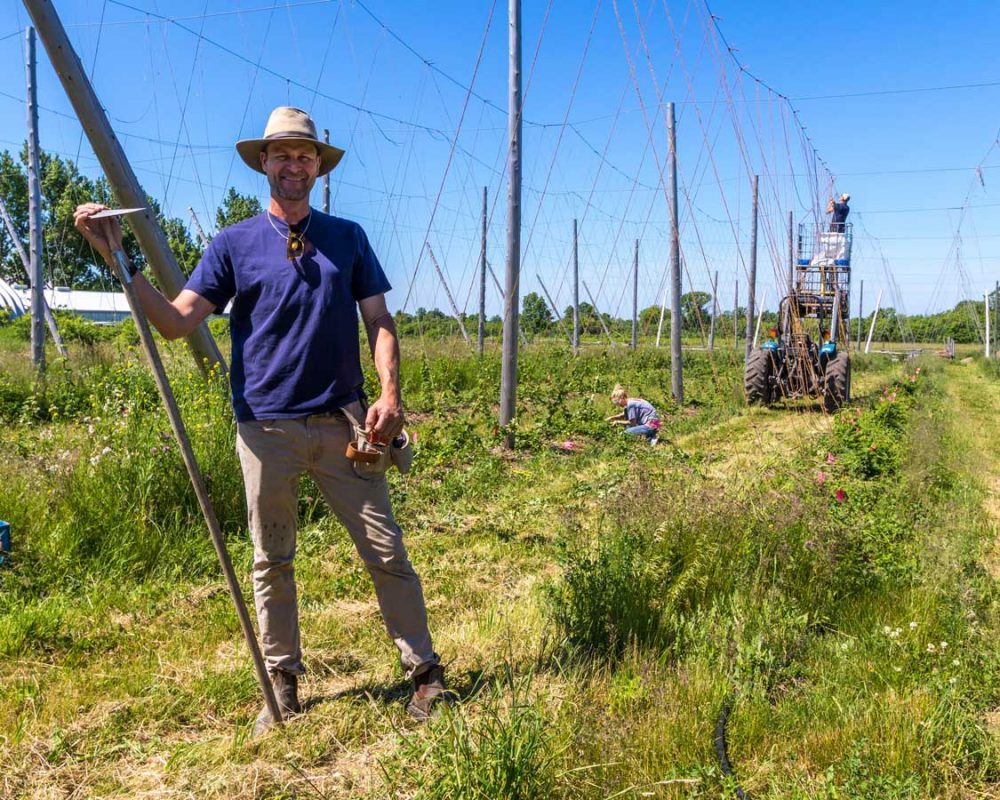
{"points": [[618, 393]]}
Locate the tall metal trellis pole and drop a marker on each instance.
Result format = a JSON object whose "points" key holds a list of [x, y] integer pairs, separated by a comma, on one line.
{"points": [[482, 283], [676, 370], [508, 370], [34, 211], [752, 285], [635, 297], [576, 292]]}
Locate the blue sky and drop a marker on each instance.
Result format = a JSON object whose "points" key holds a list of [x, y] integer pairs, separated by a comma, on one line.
{"points": [[908, 158]]}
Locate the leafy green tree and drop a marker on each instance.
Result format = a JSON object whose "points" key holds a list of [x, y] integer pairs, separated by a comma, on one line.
{"points": [[235, 208], [535, 315], [695, 311]]}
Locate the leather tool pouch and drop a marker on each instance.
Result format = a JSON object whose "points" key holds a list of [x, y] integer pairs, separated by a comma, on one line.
{"points": [[370, 459]]}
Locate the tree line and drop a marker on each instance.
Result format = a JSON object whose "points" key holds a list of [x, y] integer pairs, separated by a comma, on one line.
{"points": [[69, 261]]}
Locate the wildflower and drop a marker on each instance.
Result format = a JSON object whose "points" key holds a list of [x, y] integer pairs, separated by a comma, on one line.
{"points": [[952, 680], [955, 662], [841, 495], [830, 458], [913, 626], [105, 451], [943, 645], [809, 544], [898, 669], [821, 478], [931, 648], [886, 630]]}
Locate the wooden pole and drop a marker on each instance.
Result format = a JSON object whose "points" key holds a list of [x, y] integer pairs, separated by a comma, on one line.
{"points": [[326, 178], [576, 293], [198, 482], [986, 314], [996, 319], [736, 313], [861, 305], [760, 316], [676, 369], [197, 227], [482, 283], [871, 330], [116, 168], [50, 320], [508, 369], [552, 305], [36, 269], [447, 291], [496, 282], [715, 312], [752, 285], [635, 298], [598, 314]]}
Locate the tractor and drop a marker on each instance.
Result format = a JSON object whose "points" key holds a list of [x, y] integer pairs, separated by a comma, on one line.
{"points": [[807, 355]]}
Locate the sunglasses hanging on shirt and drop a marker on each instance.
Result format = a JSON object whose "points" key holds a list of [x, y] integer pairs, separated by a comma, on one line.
{"points": [[296, 244], [295, 240]]}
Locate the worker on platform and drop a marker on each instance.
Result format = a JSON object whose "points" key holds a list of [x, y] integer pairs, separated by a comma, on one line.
{"points": [[839, 211]]}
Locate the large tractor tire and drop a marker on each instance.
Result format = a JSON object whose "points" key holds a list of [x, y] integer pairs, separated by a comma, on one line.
{"points": [[757, 378], [837, 382]]}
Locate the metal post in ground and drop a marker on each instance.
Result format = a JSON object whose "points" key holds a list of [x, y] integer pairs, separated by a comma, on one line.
{"points": [[597, 313], [447, 291], [736, 314], [116, 168], [996, 319], [861, 304], [482, 282], [676, 369], [715, 312], [635, 298], [576, 293], [555, 311], [34, 212], [197, 481], [791, 252], [50, 320], [871, 330], [197, 227], [508, 369], [752, 284]]}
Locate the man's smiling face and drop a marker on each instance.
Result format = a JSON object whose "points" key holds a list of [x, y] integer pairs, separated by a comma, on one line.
{"points": [[291, 169]]}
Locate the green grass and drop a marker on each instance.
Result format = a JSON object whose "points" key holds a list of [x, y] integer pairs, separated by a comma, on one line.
{"points": [[595, 607]]}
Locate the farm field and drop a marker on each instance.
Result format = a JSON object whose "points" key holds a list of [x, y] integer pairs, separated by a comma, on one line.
{"points": [[829, 580]]}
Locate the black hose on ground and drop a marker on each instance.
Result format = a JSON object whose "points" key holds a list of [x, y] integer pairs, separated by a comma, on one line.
{"points": [[720, 745]]}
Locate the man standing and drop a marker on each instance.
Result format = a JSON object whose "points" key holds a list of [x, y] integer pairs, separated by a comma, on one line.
{"points": [[296, 278], [839, 211]]}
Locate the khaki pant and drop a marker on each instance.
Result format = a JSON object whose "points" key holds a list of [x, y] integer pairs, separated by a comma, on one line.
{"points": [[273, 454]]}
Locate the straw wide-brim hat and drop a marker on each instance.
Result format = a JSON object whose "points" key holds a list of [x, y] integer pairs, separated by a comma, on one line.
{"points": [[289, 124]]}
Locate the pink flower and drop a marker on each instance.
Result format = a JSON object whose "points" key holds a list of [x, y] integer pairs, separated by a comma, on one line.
{"points": [[830, 459], [821, 478], [569, 444], [841, 495]]}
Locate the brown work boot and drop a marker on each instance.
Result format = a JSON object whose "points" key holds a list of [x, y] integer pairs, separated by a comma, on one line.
{"points": [[428, 691], [286, 692]]}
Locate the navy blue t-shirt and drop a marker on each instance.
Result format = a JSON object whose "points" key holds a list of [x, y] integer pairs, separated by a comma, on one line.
{"points": [[294, 323]]}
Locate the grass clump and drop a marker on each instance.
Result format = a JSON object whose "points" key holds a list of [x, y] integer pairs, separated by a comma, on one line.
{"points": [[503, 749]]}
